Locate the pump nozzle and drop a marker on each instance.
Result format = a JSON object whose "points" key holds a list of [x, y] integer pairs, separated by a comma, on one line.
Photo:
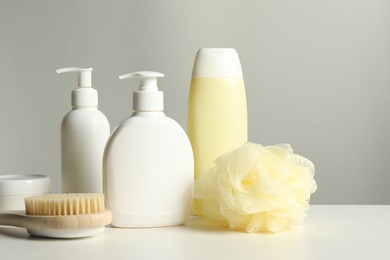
{"points": [[147, 98], [84, 95], [148, 79], [84, 76]]}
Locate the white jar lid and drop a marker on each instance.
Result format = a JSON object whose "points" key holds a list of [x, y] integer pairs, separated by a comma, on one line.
{"points": [[24, 184]]}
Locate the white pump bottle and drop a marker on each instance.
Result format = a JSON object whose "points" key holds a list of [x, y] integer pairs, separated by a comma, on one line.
{"points": [[148, 163], [84, 133]]}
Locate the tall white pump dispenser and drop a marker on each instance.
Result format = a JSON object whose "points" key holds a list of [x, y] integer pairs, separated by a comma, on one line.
{"points": [[148, 163], [84, 133]]}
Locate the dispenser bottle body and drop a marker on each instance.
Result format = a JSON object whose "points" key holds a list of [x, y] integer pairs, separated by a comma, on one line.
{"points": [[84, 133], [148, 172], [217, 112]]}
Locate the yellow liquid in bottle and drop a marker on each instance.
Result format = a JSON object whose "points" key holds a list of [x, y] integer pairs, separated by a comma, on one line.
{"points": [[217, 122]]}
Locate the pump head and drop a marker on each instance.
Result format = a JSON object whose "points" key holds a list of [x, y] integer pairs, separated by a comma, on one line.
{"points": [[148, 97], [84, 76], [84, 95]]}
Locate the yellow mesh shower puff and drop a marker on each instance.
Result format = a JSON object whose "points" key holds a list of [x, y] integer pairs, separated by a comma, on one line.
{"points": [[257, 188]]}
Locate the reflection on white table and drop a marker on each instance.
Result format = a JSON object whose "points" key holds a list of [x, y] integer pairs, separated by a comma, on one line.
{"points": [[328, 232]]}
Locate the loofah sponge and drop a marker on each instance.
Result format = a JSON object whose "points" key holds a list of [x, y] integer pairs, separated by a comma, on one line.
{"points": [[257, 188]]}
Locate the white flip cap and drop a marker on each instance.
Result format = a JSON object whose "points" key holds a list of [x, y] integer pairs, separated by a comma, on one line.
{"points": [[148, 97], [217, 63]]}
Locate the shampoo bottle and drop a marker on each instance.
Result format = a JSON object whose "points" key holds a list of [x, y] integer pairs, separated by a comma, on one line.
{"points": [[148, 163], [84, 133], [217, 112]]}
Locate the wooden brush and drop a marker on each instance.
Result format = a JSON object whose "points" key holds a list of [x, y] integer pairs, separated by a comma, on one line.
{"points": [[61, 215]]}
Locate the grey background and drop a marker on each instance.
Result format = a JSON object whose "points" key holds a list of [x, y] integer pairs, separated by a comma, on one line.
{"points": [[317, 76]]}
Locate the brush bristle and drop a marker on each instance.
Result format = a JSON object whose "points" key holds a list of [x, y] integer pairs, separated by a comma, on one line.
{"points": [[65, 204]]}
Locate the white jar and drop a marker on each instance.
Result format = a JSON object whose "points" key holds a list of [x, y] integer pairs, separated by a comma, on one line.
{"points": [[15, 188]]}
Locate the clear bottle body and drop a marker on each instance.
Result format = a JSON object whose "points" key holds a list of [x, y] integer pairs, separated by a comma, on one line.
{"points": [[217, 121]]}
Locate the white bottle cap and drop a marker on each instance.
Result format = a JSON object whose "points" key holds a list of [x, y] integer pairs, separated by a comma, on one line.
{"points": [[84, 95], [148, 97], [217, 63]]}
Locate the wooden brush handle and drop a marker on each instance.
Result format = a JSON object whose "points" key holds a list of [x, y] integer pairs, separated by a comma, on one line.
{"points": [[20, 219], [16, 219]]}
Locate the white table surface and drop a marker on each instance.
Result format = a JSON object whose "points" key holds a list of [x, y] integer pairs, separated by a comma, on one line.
{"points": [[328, 232]]}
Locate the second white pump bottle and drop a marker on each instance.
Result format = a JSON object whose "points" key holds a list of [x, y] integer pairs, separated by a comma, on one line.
{"points": [[148, 163]]}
